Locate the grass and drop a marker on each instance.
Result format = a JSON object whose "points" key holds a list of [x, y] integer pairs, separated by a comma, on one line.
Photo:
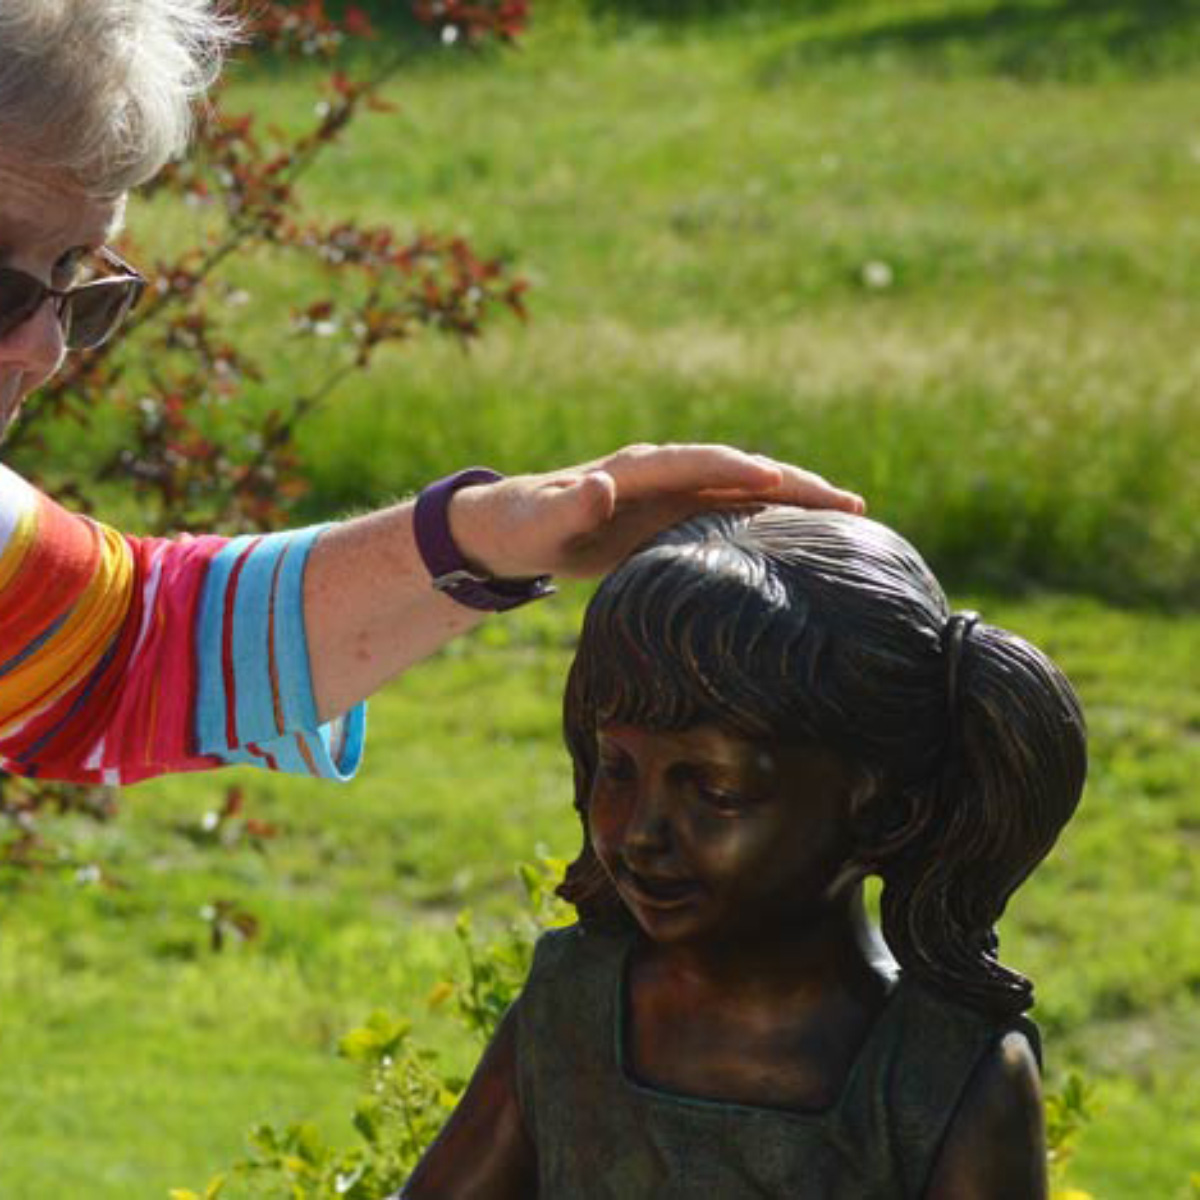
{"points": [[148, 1054], [945, 252], [857, 264], [856, 259], [129, 1042]]}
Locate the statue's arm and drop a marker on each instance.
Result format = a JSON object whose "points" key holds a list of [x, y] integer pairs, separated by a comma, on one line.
{"points": [[995, 1148], [484, 1151]]}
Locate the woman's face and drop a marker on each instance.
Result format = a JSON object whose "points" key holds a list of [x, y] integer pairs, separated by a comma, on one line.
{"points": [[48, 224], [709, 837]]}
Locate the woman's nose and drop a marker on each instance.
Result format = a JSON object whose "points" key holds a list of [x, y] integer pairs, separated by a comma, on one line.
{"points": [[35, 347]]}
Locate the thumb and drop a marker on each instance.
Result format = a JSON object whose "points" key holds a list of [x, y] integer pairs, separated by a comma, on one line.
{"points": [[584, 504]]}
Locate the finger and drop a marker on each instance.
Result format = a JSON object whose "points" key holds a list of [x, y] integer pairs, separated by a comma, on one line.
{"points": [[644, 470], [810, 490], [796, 486]]}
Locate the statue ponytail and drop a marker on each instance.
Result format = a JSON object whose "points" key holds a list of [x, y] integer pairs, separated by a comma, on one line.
{"points": [[1011, 775]]}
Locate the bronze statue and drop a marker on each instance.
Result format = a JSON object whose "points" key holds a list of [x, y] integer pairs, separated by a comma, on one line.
{"points": [[767, 707]]}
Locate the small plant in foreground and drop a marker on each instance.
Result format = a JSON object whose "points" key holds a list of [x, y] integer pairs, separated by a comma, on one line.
{"points": [[407, 1095], [1067, 1111]]}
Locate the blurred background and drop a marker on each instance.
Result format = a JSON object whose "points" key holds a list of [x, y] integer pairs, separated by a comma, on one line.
{"points": [[946, 252]]}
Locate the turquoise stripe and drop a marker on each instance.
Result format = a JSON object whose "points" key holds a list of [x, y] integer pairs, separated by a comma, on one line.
{"points": [[291, 642], [210, 624], [290, 758], [253, 698], [255, 717]]}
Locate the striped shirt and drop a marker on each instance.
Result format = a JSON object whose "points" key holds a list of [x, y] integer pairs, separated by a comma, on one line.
{"points": [[123, 658]]}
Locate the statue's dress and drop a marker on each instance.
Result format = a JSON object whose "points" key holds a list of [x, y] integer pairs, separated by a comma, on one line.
{"points": [[600, 1135]]}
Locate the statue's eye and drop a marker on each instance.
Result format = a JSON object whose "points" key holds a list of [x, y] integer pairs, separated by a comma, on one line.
{"points": [[615, 766], [719, 792], [722, 800]]}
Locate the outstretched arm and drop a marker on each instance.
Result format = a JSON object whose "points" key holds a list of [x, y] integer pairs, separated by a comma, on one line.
{"points": [[369, 608], [123, 658], [996, 1146], [484, 1152]]}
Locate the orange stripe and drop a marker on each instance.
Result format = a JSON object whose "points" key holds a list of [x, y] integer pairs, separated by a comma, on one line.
{"points": [[18, 545], [99, 611]]}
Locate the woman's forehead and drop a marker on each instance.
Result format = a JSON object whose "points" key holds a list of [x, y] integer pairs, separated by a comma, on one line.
{"points": [[47, 211]]}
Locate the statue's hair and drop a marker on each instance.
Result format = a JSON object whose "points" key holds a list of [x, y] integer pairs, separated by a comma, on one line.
{"points": [[824, 629], [103, 89]]}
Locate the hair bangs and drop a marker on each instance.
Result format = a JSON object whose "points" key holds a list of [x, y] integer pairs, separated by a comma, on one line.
{"points": [[682, 636]]}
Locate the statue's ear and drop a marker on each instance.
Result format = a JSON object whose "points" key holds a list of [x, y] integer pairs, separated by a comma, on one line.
{"points": [[885, 821]]}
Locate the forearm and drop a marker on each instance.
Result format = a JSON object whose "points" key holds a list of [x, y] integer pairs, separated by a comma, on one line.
{"points": [[369, 605], [370, 610]]}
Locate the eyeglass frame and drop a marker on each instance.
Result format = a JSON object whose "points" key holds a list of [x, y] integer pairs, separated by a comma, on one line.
{"points": [[60, 296]]}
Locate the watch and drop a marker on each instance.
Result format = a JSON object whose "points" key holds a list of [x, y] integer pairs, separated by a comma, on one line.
{"points": [[444, 560]]}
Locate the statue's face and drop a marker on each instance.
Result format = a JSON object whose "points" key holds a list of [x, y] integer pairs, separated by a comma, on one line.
{"points": [[48, 224], [710, 837]]}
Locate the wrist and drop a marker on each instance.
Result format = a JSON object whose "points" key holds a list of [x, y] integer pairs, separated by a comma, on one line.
{"points": [[471, 517], [454, 541]]}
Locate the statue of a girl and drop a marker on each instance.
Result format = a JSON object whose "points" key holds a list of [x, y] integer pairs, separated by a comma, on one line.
{"points": [[766, 708]]}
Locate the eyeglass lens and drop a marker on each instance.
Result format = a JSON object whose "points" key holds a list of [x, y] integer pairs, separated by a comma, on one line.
{"points": [[89, 313], [92, 313]]}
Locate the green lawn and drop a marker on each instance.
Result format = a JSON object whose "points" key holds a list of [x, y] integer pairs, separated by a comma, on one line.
{"points": [[945, 252]]}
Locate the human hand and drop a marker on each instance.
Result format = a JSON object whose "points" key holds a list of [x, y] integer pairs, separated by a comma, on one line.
{"points": [[582, 520]]}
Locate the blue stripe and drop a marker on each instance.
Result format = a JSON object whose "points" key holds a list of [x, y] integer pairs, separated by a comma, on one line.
{"points": [[210, 623], [255, 720], [34, 646], [31, 752]]}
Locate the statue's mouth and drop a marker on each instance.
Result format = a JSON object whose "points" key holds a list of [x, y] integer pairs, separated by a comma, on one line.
{"points": [[660, 889]]}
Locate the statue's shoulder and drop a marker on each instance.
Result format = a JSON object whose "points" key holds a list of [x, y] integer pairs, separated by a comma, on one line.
{"points": [[932, 1016], [574, 949]]}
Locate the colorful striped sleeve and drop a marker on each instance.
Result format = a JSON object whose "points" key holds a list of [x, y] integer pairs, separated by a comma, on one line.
{"points": [[123, 658]]}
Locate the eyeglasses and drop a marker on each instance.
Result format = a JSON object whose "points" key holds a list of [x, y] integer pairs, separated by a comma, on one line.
{"points": [[89, 313]]}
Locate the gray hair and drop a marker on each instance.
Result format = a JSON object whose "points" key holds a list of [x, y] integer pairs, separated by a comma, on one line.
{"points": [[103, 89]]}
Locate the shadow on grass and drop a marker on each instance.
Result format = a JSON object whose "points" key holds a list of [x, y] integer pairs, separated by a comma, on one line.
{"points": [[1029, 39]]}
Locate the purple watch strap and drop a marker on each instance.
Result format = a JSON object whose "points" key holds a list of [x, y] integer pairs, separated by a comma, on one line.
{"points": [[444, 561]]}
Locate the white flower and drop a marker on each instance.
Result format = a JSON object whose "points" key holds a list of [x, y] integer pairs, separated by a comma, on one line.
{"points": [[877, 275]]}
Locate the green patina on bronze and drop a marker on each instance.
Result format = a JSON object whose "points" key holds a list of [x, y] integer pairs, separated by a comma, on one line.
{"points": [[603, 1136]]}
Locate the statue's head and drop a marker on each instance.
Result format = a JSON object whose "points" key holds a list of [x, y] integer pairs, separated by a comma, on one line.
{"points": [[945, 755]]}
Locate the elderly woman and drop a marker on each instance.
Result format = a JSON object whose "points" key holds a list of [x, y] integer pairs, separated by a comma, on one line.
{"points": [[121, 657]]}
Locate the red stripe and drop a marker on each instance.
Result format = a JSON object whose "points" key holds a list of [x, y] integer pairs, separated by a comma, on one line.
{"points": [[227, 644], [265, 755], [79, 716], [276, 702], [306, 754], [56, 571]]}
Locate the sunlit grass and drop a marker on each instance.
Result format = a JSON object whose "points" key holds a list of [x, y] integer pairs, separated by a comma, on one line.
{"points": [[898, 261]]}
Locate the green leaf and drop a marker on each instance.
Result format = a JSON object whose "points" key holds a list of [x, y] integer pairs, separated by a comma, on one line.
{"points": [[379, 1038], [304, 1139], [367, 1114]]}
